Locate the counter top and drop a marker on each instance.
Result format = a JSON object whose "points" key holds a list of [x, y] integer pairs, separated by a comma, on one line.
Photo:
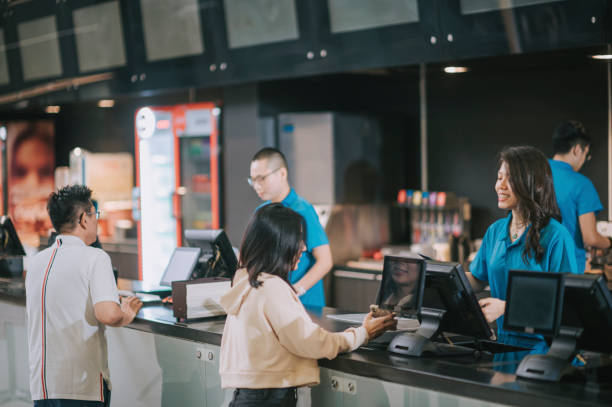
{"points": [[12, 289], [462, 376]]}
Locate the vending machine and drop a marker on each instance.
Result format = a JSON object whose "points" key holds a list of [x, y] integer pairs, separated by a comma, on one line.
{"points": [[177, 164]]}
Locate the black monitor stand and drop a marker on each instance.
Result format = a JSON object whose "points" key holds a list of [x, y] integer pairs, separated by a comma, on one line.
{"points": [[417, 343], [551, 366]]}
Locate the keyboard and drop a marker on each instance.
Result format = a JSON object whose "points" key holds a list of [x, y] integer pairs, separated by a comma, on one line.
{"points": [[403, 324], [147, 299]]}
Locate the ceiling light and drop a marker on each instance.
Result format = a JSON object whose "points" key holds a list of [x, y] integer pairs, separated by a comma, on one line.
{"points": [[52, 109], [106, 103], [602, 56], [455, 69]]}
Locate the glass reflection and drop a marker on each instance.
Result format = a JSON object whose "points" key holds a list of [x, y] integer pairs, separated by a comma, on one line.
{"points": [[399, 293], [483, 6]]}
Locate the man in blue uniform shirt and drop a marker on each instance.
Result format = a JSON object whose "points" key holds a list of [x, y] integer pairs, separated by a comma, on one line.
{"points": [[576, 195], [269, 178]]}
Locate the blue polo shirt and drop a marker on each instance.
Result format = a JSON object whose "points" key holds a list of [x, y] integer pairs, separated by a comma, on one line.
{"points": [[315, 237], [576, 196], [498, 255]]}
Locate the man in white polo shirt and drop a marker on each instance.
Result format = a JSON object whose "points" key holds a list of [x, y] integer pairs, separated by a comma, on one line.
{"points": [[70, 296]]}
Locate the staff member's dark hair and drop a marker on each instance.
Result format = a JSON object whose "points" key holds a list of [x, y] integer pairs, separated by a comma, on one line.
{"points": [[272, 242], [531, 182], [569, 134], [271, 154], [66, 205]]}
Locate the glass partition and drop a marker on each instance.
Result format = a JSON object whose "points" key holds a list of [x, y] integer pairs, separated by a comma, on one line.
{"points": [[353, 15], [172, 29], [254, 22], [482, 6], [99, 36], [4, 74], [40, 52]]}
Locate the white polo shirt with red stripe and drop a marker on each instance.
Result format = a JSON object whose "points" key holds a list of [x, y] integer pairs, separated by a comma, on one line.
{"points": [[67, 344]]}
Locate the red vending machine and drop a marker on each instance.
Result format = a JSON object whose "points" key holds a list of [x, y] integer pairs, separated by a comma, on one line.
{"points": [[177, 165]]}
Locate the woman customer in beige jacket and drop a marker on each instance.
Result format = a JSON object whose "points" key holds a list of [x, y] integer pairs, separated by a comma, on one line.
{"points": [[270, 345]]}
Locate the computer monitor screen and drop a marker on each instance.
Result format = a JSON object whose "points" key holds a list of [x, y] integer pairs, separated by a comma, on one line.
{"points": [[10, 245], [218, 258], [181, 265], [533, 302], [448, 289], [401, 288], [587, 305]]}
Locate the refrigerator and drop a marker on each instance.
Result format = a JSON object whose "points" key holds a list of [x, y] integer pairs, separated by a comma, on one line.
{"points": [[177, 173]]}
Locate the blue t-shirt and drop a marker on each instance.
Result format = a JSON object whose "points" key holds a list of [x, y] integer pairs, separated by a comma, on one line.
{"points": [[498, 255], [576, 196], [315, 237]]}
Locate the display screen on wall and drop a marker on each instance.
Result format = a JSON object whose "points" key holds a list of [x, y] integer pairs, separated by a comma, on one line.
{"points": [[99, 36], [4, 75], [171, 28], [31, 163], [353, 15], [39, 46], [255, 22], [482, 6]]}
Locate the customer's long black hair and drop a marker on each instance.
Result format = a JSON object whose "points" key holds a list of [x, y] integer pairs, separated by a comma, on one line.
{"points": [[272, 242], [531, 181]]}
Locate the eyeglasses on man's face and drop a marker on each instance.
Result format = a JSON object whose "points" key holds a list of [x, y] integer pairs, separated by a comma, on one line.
{"points": [[97, 213], [260, 178]]}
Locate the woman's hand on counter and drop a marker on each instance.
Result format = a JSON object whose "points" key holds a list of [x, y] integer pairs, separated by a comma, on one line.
{"points": [[377, 326], [492, 308]]}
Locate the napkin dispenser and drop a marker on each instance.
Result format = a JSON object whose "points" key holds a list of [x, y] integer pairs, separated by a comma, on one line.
{"points": [[199, 298]]}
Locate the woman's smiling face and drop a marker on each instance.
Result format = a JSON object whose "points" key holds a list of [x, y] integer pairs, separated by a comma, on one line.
{"points": [[505, 196]]}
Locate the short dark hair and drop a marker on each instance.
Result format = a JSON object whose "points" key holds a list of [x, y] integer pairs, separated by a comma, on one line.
{"points": [[569, 134], [66, 204], [532, 183], [273, 154], [272, 242]]}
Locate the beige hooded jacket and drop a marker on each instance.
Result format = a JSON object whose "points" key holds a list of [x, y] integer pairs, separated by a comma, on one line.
{"points": [[269, 341]]}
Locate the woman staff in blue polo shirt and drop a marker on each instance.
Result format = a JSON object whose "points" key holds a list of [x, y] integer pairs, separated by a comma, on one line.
{"points": [[531, 237]]}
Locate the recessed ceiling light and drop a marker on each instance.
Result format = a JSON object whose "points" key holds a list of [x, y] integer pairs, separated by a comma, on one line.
{"points": [[602, 56], [455, 69], [106, 103]]}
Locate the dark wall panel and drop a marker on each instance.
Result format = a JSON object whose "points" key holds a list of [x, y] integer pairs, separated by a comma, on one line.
{"points": [[393, 99], [473, 116], [95, 129], [241, 141]]}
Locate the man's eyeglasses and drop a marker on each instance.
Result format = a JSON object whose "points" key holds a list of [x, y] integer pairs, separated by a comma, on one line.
{"points": [[260, 178], [97, 213]]}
